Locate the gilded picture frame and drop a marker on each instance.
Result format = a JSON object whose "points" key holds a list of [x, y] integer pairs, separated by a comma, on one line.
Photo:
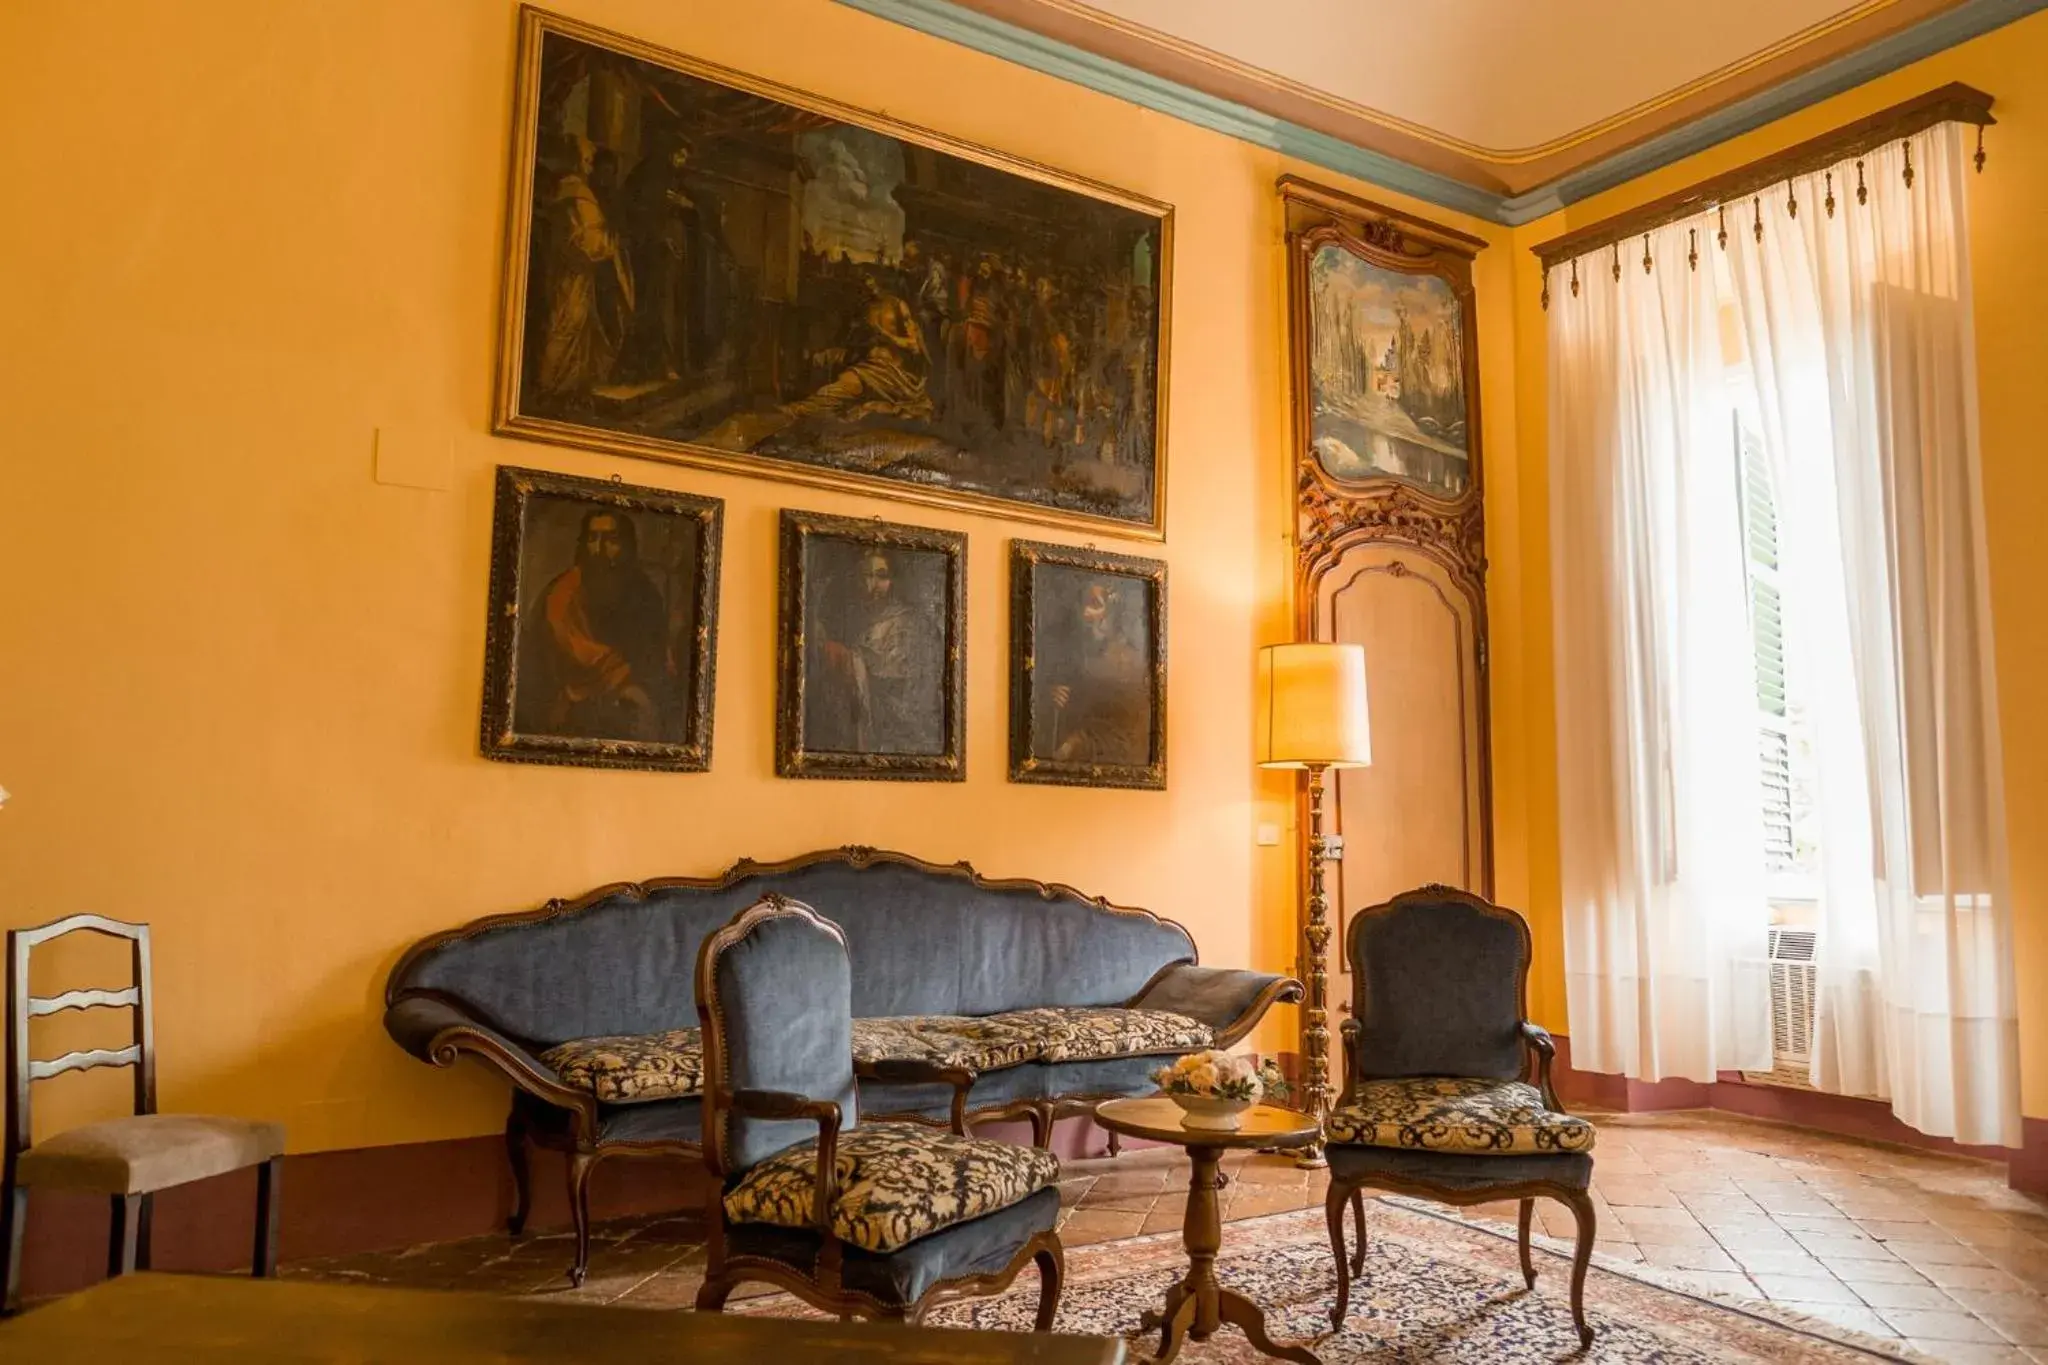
{"points": [[796, 349], [871, 676], [1088, 661], [601, 645]]}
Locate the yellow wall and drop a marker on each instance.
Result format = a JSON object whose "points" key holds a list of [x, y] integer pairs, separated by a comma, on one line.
{"points": [[241, 678], [2008, 207], [239, 692]]}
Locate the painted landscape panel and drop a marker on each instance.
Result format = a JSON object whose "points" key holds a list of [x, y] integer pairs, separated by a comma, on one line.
{"points": [[1386, 374]]}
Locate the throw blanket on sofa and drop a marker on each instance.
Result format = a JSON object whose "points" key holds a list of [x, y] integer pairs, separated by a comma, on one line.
{"points": [[637, 1068]]}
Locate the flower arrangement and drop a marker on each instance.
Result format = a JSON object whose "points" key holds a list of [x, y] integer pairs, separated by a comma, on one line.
{"points": [[1213, 1075]]}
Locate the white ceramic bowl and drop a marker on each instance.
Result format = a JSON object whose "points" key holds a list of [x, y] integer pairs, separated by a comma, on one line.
{"points": [[1212, 1111]]}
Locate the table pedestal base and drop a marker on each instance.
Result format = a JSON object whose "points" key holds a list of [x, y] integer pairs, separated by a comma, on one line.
{"points": [[1198, 1305]]}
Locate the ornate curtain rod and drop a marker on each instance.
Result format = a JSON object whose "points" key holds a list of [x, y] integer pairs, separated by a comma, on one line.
{"points": [[1952, 103]]}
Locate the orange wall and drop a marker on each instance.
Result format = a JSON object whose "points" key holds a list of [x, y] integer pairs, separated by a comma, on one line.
{"points": [[2008, 208], [242, 678]]}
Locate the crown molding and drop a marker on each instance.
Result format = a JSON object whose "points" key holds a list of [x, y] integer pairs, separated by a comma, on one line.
{"points": [[1014, 43]]}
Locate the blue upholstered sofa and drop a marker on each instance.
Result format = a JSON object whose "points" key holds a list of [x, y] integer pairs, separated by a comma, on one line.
{"points": [[1035, 1001]]}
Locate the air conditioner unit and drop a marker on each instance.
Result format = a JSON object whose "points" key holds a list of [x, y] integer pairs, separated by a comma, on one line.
{"points": [[1792, 998]]}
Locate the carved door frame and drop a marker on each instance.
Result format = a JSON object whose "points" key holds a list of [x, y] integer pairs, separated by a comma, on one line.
{"points": [[1334, 514]]}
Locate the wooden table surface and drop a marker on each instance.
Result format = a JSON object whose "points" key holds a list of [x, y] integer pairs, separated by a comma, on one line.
{"points": [[1160, 1119], [207, 1318]]}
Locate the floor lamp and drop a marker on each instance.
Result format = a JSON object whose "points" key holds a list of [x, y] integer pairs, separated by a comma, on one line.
{"points": [[1313, 718]]}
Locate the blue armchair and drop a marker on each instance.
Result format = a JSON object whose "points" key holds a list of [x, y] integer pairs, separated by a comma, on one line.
{"points": [[858, 1219], [1447, 1091]]}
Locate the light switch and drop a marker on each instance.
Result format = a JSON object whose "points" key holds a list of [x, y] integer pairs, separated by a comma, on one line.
{"points": [[1268, 836], [410, 457]]}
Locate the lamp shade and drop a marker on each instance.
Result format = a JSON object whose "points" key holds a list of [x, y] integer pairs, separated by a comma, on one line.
{"points": [[1312, 707]]}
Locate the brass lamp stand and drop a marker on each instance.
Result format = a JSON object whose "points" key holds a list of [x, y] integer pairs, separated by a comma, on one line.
{"points": [[1315, 719]]}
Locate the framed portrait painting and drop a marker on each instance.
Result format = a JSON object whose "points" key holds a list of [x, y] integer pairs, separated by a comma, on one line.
{"points": [[604, 614], [1087, 667], [714, 269], [872, 680]]}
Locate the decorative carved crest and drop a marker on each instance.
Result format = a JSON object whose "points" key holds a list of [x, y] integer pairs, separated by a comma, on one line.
{"points": [[1331, 518]]}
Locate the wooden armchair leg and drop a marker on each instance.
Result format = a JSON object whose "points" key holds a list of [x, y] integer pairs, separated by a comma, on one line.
{"points": [[712, 1294], [1333, 1210], [1581, 1205], [122, 1230], [1522, 1220], [263, 1259], [1358, 1217], [1052, 1274], [13, 1236]]}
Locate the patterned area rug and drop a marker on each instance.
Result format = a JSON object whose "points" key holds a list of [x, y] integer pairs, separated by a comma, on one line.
{"points": [[1434, 1289]]}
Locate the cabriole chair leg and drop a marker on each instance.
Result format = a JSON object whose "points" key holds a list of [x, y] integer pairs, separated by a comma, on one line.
{"points": [[1522, 1219], [1581, 1204], [1333, 1210], [579, 1210], [1052, 1274], [1358, 1217]]}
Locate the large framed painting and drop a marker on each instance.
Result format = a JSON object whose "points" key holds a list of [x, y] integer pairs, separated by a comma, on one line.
{"points": [[604, 617], [1087, 667], [873, 638], [709, 268]]}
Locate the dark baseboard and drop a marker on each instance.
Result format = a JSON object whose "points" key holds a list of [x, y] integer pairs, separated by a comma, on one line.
{"points": [[378, 1198], [1845, 1115]]}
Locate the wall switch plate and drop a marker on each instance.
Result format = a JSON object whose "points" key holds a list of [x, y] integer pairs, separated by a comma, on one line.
{"points": [[1268, 836]]}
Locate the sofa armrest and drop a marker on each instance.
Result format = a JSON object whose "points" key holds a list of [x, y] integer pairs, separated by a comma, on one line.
{"points": [[437, 1030], [917, 1071], [1228, 1000]]}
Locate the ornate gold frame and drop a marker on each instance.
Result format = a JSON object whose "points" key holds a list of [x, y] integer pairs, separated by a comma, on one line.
{"points": [[1025, 557], [793, 758], [497, 737], [507, 420]]}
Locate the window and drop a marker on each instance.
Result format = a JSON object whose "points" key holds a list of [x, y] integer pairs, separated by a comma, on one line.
{"points": [[1785, 759]]}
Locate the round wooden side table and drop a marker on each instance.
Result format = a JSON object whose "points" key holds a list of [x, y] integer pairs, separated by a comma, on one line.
{"points": [[1198, 1305]]}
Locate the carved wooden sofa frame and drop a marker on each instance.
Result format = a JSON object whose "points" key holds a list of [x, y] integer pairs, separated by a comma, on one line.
{"points": [[440, 1026]]}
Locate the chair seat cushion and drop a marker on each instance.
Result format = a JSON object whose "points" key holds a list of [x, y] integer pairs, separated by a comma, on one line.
{"points": [[147, 1152], [895, 1184], [1456, 1114], [985, 1246], [641, 1068]]}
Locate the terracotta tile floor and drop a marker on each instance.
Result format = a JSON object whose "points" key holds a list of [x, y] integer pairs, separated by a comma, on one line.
{"points": [[1933, 1250]]}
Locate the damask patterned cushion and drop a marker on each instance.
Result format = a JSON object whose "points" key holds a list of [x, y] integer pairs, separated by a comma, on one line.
{"points": [[1450, 1114], [1077, 1034], [985, 1044], [633, 1068], [895, 1184]]}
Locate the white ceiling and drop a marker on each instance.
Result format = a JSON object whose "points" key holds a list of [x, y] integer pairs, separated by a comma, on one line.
{"points": [[1491, 77]]}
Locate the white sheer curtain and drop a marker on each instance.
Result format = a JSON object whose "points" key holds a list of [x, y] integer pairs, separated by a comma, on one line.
{"points": [[1665, 924], [1858, 328]]}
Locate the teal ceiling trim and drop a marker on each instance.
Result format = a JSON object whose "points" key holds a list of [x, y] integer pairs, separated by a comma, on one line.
{"points": [[973, 29], [970, 28], [1924, 39]]}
